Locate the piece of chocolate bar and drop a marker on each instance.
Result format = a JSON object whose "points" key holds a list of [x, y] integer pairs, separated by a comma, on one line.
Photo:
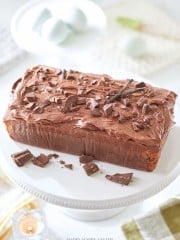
{"points": [[121, 178], [90, 168], [20, 158]]}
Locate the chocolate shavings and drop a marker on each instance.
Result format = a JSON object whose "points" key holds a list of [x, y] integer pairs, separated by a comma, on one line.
{"points": [[107, 109], [16, 84], [140, 85], [118, 95], [125, 94], [70, 102]]}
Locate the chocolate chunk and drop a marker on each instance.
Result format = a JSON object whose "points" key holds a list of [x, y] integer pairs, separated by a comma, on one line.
{"points": [[140, 85], [94, 82], [86, 158], [56, 99], [69, 165], [123, 179], [31, 97], [91, 103], [30, 106], [90, 168], [73, 71], [96, 112], [107, 109], [59, 72], [146, 108], [71, 77], [81, 101], [41, 160], [64, 74], [39, 110], [70, 102], [137, 126], [21, 158]]}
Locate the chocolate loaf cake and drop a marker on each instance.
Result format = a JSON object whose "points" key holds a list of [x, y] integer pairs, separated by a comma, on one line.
{"points": [[123, 122]]}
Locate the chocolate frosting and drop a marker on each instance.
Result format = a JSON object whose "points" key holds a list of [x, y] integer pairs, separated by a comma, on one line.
{"points": [[54, 96]]}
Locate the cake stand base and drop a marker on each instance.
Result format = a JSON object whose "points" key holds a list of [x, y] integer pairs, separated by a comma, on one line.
{"points": [[91, 215]]}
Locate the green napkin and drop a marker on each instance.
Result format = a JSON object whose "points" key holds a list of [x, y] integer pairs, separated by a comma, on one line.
{"points": [[162, 223]]}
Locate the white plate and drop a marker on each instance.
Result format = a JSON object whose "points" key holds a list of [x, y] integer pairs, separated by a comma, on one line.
{"points": [[81, 44], [72, 188]]}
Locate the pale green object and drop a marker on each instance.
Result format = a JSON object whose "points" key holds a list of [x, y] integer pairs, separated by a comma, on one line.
{"points": [[132, 23], [77, 20], [160, 223], [43, 16], [55, 30], [133, 46]]}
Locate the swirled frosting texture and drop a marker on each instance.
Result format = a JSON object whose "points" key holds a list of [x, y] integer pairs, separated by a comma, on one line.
{"points": [[126, 110]]}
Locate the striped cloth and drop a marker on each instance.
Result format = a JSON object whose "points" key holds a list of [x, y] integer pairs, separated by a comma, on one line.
{"points": [[162, 223]]}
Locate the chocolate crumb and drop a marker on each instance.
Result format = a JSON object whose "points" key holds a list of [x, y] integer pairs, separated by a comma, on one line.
{"points": [[86, 158], [20, 158], [41, 160], [90, 168], [123, 179], [69, 166], [53, 155], [62, 162]]}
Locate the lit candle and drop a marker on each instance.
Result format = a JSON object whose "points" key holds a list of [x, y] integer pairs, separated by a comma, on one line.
{"points": [[29, 224]]}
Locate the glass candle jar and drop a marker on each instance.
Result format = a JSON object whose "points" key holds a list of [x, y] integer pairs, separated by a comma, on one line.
{"points": [[30, 224]]}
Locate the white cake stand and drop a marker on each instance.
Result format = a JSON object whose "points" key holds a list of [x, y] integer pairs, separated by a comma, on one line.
{"points": [[94, 197]]}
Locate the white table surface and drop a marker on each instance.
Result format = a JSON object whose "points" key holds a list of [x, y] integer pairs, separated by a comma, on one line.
{"points": [[62, 226]]}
